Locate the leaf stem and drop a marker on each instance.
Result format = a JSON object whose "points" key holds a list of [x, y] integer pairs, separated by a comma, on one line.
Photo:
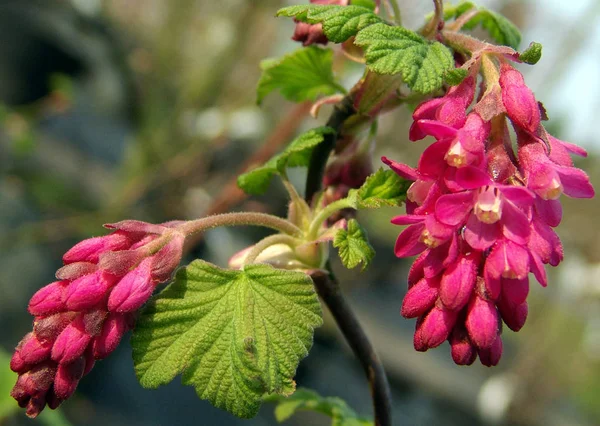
{"points": [[240, 219], [267, 242], [330, 292], [325, 213], [437, 21], [320, 154], [396, 10], [462, 20]]}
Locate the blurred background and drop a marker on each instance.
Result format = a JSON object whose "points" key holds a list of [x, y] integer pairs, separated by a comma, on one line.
{"points": [[113, 109]]}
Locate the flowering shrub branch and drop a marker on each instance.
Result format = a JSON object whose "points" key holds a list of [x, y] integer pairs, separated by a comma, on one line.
{"points": [[480, 211]]}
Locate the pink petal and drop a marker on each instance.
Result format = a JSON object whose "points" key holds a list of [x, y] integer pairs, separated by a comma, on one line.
{"points": [[115, 326], [519, 195], [481, 235], [87, 291], [401, 170], [49, 299], [67, 378], [432, 161], [514, 316], [89, 250], [437, 129], [407, 219], [71, 342], [471, 177], [550, 211], [576, 182], [516, 224], [452, 209], [537, 267]]}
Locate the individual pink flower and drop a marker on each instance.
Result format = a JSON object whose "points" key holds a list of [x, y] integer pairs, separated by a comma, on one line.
{"points": [[83, 316], [518, 99]]}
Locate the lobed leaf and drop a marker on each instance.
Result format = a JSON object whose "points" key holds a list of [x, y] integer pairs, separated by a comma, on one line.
{"points": [[353, 246], [396, 50], [234, 335], [297, 154], [339, 22], [301, 75], [501, 29], [382, 188], [307, 400]]}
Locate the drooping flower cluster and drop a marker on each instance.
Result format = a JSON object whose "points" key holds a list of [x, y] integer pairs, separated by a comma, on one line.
{"points": [[480, 215], [82, 317]]}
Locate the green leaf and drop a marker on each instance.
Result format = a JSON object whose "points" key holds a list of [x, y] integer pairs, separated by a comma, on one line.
{"points": [[455, 76], [339, 22], [532, 54], [234, 335], [500, 28], [396, 50], [307, 400], [353, 246], [304, 74], [369, 4], [297, 154], [382, 188]]}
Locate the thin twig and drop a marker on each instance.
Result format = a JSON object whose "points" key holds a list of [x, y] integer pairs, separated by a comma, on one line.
{"points": [[330, 292], [328, 288]]}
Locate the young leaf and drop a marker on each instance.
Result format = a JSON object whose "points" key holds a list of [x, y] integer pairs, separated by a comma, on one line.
{"points": [[500, 28], [339, 22], [532, 54], [455, 76], [307, 400], [382, 188], [234, 335], [301, 75], [353, 246], [297, 154], [396, 50]]}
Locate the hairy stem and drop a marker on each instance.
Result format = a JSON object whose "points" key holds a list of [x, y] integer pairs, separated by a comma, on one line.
{"points": [[437, 21], [240, 219], [320, 155], [396, 10], [330, 292], [324, 214]]}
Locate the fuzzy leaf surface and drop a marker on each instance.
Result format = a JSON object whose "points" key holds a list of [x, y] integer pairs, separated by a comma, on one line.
{"points": [[307, 400], [234, 335], [353, 246], [382, 188], [397, 50], [339, 22], [498, 27], [304, 74], [297, 154]]}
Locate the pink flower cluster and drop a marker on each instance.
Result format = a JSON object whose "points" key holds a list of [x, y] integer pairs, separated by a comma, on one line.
{"points": [[481, 213], [313, 33], [82, 317]]}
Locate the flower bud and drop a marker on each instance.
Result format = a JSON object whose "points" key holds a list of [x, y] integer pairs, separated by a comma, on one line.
{"points": [[420, 298], [491, 356], [133, 290], [49, 299], [113, 330], [67, 377], [34, 351], [462, 350], [458, 282], [518, 99], [168, 258], [47, 329], [71, 342], [482, 322], [89, 250], [513, 315], [436, 326], [87, 291]]}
